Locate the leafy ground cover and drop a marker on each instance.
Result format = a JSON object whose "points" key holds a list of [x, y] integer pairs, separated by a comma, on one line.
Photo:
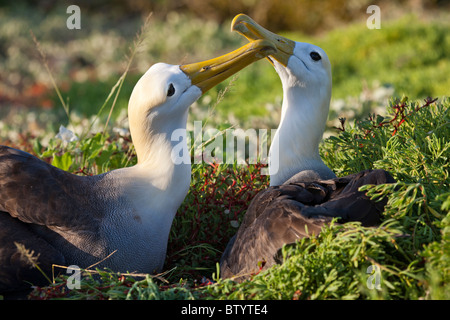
{"points": [[410, 248], [411, 245]]}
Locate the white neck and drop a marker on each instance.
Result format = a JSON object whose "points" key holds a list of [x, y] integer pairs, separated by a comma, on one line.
{"points": [[157, 184], [295, 146]]}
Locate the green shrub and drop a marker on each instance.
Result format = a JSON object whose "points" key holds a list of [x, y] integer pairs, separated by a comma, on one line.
{"points": [[410, 249], [411, 245]]}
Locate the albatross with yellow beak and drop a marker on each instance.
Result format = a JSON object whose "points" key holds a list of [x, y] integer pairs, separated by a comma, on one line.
{"points": [[79, 220], [304, 193]]}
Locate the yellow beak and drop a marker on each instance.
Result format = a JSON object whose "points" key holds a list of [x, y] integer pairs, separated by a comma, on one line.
{"points": [[247, 27], [207, 74]]}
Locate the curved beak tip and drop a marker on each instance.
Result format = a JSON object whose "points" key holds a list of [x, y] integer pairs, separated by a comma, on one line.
{"points": [[251, 30], [240, 27], [237, 23]]}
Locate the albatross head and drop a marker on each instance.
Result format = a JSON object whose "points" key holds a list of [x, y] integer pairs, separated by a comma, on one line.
{"points": [[305, 73], [161, 98]]}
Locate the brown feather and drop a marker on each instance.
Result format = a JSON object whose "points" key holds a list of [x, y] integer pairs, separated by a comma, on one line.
{"points": [[283, 214], [46, 210], [14, 268]]}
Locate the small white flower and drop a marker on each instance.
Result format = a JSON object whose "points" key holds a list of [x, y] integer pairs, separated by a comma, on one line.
{"points": [[234, 223], [207, 99], [227, 211], [66, 135], [121, 131]]}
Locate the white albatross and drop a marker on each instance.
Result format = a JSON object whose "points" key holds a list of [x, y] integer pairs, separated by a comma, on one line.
{"points": [[304, 193], [79, 220]]}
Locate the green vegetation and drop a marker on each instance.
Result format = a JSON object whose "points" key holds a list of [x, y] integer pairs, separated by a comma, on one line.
{"points": [[410, 247], [373, 72], [409, 56]]}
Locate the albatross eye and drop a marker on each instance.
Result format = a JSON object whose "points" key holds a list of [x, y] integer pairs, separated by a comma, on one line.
{"points": [[315, 56], [171, 90]]}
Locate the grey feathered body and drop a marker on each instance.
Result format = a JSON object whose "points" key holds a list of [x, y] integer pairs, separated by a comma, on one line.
{"points": [[65, 219]]}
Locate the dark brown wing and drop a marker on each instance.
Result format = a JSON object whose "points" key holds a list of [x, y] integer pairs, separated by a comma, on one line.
{"points": [[349, 204], [34, 198], [273, 219], [281, 215], [36, 192], [16, 271]]}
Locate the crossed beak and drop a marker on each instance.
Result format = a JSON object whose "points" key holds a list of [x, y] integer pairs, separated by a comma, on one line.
{"points": [[207, 74]]}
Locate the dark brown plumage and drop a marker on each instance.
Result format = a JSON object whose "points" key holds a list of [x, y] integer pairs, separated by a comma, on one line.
{"points": [[283, 214], [15, 268], [36, 211], [25, 177]]}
